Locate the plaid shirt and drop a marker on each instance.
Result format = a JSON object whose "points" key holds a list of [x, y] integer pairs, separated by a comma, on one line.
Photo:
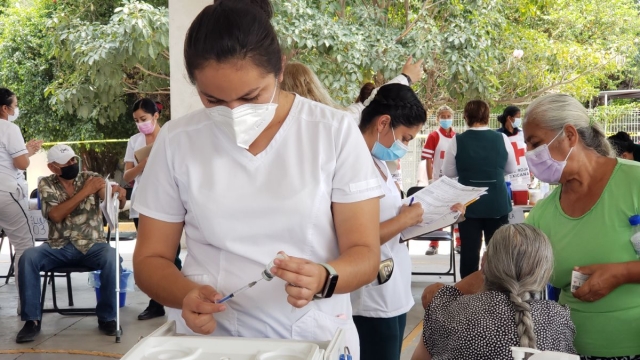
{"points": [[84, 226]]}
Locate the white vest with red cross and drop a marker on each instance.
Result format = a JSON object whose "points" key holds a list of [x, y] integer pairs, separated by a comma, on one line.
{"points": [[438, 155], [521, 176]]}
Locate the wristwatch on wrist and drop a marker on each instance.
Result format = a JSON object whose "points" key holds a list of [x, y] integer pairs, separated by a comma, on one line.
{"points": [[408, 78], [329, 284]]}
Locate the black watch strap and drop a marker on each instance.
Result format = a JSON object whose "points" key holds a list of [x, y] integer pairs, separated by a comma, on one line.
{"points": [[408, 78], [329, 284]]}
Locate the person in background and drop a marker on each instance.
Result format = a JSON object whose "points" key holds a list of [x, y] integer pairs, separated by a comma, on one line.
{"points": [[411, 72], [510, 121], [480, 158], [14, 159], [146, 113], [625, 147], [380, 308], [587, 221], [301, 80], [483, 316], [433, 154], [70, 203], [324, 214], [511, 124]]}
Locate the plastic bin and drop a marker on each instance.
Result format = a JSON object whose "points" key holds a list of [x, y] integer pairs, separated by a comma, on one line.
{"points": [[125, 284]]}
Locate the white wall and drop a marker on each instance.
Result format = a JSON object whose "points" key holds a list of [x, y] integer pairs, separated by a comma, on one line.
{"points": [[184, 98]]}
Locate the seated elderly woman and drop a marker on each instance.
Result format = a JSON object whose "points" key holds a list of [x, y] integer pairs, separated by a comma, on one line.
{"points": [[505, 309]]}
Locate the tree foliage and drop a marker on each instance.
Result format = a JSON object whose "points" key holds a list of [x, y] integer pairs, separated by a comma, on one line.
{"points": [[574, 46]]}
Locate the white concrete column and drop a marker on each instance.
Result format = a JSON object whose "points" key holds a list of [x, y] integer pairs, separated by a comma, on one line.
{"points": [[184, 98]]}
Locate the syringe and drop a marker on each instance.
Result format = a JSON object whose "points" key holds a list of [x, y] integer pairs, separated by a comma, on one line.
{"points": [[233, 294]]}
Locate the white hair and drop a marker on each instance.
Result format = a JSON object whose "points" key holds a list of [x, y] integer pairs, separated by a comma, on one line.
{"points": [[519, 263], [555, 111]]}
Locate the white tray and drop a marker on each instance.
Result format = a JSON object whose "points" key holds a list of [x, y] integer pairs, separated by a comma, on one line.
{"points": [[212, 348]]}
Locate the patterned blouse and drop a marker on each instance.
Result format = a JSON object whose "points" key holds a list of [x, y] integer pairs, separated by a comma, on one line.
{"points": [[483, 327], [84, 226]]}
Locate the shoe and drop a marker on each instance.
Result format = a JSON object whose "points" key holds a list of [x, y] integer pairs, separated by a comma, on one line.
{"points": [[29, 332], [432, 250], [151, 312], [457, 249], [108, 327]]}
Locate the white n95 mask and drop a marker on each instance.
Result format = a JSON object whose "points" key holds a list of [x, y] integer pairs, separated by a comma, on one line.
{"points": [[15, 115], [246, 122]]}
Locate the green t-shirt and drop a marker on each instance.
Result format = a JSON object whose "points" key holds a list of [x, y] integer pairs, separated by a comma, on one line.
{"points": [[611, 326]]}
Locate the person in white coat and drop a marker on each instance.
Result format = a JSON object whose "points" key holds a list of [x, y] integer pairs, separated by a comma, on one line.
{"points": [[389, 122], [146, 113], [257, 172], [14, 159]]}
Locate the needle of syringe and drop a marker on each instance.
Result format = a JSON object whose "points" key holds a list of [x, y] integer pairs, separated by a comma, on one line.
{"points": [[233, 294]]}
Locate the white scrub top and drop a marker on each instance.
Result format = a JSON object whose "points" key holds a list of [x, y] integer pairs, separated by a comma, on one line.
{"points": [[394, 297], [239, 210], [12, 145], [135, 143]]}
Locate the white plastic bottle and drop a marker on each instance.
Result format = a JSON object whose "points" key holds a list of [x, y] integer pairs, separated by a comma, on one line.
{"points": [[634, 221]]}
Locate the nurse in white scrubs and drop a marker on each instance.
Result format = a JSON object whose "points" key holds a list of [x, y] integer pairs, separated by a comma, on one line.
{"points": [[14, 159], [258, 171], [390, 120]]}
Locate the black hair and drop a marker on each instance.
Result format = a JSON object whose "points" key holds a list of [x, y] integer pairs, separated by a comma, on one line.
{"points": [[511, 110], [6, 96], [147, 105], [263, 5], [621, 143], [233, 30], [476, 112], [399, 102], [365, 92]]}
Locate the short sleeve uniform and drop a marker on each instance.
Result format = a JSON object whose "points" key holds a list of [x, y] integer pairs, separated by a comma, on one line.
{"points": [[11, 146], [135, 143], [240, 210]]}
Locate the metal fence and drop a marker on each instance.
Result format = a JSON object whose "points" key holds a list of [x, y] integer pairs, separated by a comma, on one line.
{"points": [[628, 122]]}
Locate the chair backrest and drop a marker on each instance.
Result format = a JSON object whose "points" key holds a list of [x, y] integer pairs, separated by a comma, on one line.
{"points": [[413, 190]]}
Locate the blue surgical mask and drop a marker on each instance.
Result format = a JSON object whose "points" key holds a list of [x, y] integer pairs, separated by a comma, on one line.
{"points": [[446, 123], [517, 122], [395, 152]]}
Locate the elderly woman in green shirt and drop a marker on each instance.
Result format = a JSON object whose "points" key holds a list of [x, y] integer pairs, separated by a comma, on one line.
{"points": [[587, 221]]}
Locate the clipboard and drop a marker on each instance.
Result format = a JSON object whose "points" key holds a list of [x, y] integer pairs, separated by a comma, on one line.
{"points": [[142, 153]]}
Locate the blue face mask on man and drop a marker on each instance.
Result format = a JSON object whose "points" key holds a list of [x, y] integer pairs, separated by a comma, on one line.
{"points": [[395, 152]]}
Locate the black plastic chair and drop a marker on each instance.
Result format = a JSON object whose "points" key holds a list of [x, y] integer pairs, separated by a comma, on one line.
{"points": [[437, 236]]}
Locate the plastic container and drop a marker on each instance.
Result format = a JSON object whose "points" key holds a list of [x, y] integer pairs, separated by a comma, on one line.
{"points": [[634, 221], [125, 284], [535, 195], [520, 193]]}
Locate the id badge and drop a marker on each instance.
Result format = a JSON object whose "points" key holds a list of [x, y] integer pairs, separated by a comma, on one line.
{"points": [[385, 271]]}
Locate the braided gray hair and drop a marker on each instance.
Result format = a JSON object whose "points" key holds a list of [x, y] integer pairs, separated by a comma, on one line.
{"points": [[519, 263], [555, 111]]}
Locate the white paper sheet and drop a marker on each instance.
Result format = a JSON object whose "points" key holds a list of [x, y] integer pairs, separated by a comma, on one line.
{"points": [[437, 200]]}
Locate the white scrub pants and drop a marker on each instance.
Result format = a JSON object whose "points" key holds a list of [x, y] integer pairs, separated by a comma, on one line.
{"points": [[14, 221]]}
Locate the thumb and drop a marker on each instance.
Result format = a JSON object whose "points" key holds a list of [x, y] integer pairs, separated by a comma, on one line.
{"points": [[207, 293], [585, 270]]}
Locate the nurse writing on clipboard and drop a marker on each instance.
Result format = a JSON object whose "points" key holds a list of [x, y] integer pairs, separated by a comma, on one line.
{"points": [[258, 171]]}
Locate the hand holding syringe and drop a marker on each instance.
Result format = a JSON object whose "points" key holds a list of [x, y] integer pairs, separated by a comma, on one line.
{"points": [[266, 275]]}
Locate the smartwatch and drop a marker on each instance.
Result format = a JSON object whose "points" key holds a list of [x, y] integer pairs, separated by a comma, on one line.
{"points": [[329, 284]]}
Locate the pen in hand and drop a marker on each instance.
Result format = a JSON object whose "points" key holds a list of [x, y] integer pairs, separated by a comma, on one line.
{"points": [[411, 201]]}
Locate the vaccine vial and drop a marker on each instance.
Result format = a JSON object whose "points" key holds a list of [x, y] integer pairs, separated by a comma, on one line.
{"points": [[266, 274]]}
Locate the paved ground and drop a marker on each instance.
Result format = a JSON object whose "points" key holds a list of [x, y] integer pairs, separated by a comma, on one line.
{"points": [[63, 333]]}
